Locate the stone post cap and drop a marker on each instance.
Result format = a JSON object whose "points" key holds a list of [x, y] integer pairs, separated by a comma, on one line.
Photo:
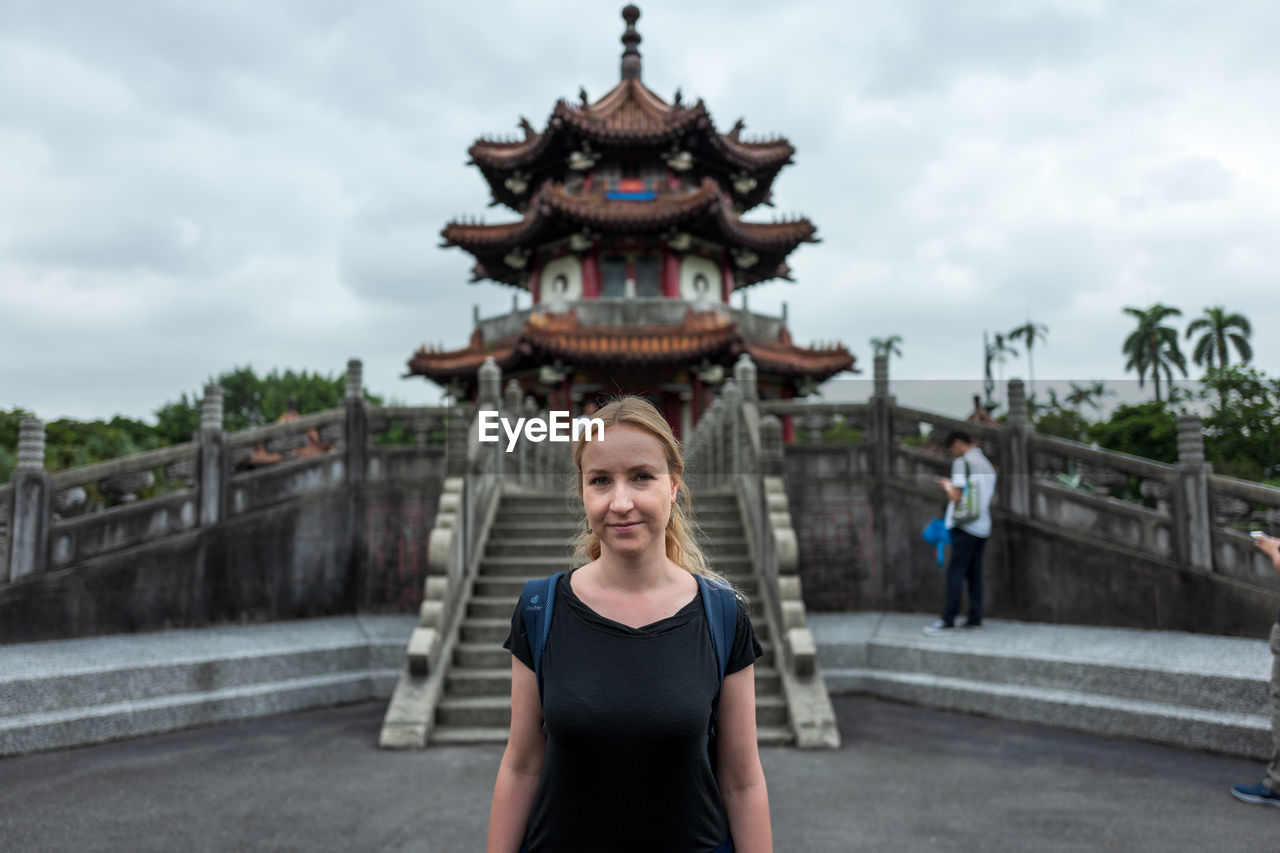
{"points": [[1190, 438], [489, 381], [1017, 402], [355, 379], [744, 371], [511, 397], [881, 375], [731, 393], [211, 408], [30, 445]]}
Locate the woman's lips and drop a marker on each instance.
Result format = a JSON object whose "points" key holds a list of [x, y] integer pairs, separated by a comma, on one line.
{"points": [[625, 528]]}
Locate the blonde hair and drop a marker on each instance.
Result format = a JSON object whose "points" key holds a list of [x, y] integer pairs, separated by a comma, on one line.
{"points": [[682, 532]]}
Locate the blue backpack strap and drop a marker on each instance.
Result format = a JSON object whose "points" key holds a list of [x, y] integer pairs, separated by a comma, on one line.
{"points": [[720, 606], [537, 604]]}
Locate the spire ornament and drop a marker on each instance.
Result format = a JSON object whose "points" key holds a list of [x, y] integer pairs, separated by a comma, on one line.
{"points": [[631, 42]]}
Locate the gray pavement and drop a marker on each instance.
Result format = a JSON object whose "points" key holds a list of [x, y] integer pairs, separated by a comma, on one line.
{"points": [[906, 779]]}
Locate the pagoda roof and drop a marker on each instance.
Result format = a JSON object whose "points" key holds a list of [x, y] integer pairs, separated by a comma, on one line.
{"points": [[556, 213], [630, 116], [703, 335]]}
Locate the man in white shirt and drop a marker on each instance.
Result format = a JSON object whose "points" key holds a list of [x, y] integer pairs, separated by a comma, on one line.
{"points": [[970, 469]]}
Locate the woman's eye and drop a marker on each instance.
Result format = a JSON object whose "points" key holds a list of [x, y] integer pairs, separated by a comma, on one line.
{"points": [[644, 475], [597, 481]]}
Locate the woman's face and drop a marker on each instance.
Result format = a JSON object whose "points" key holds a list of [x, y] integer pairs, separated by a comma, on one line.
{"points": [[627, 492]]}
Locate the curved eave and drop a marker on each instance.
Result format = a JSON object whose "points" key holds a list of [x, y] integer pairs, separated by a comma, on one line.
{"points": [[787, 360]]}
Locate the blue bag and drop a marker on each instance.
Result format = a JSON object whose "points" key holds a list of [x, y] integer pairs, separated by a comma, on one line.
{"points": [[936, 533]]}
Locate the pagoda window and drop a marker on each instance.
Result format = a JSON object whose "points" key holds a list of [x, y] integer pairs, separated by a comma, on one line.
{"points": [[648, 277], [699, 279], [561, 280], [613, 277]]}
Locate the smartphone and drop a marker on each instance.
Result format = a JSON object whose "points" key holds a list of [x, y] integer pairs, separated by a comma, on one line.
{"points": [[1257, 534]]}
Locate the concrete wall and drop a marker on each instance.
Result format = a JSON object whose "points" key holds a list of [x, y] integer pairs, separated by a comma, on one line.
{"points": [[860, 549]]}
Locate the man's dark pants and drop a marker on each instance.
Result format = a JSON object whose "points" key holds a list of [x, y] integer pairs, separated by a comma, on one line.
{"points": [[965, 565]]}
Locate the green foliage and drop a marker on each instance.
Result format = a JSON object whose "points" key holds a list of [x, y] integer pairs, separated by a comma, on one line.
{"points": [[1152, 349], [887, 346], [1221, 332], [1146, 429], [1242, 430], [1063, 423], [247, 401]]}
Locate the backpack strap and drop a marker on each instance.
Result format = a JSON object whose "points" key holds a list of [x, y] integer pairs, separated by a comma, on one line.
{"points": [[537, 604], [721, 608]]}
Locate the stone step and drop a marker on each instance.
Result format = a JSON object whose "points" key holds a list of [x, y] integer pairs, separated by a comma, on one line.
{"points": [[520, 546], [481, 656], [1188, 690], [492, 631], [498, 607], [76, 692], [522, 566]]}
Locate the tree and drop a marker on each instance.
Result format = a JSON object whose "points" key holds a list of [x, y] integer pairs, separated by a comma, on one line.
{"points": [[1147, 429], [1152, 348], [1080, 396], [887, 346], [1242, 431], [1221, 331], [995, 354], [1029, 333]]}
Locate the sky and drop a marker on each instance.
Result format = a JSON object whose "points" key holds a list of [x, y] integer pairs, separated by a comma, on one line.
{"points": [[191, 186]]}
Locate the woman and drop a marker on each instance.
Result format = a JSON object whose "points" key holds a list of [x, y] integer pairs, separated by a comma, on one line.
{"points": [[619, 761]]}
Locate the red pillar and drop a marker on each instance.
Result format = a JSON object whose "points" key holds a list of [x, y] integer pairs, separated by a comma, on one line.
{"points": [[591, 275], [535, 280], [788, 428], [726, 283], [670, 274]]}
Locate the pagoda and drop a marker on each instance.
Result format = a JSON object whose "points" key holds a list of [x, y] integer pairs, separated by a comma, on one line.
{"points": [[630, 240]]}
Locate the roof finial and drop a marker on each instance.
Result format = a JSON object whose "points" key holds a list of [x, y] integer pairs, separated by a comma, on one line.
{"points": [[631, 40]]}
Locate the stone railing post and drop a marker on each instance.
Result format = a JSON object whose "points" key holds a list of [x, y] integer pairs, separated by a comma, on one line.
{"points": [[772, 459], [214, 466], [744, 373], [881, 419], [489, 385], [489, 398], [357, 424], [1015, 459], [455, 446], [732, 395], [1189, 504], [32, 492]]}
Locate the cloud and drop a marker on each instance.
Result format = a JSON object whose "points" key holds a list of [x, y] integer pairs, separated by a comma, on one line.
{"points": [[189, 187]]}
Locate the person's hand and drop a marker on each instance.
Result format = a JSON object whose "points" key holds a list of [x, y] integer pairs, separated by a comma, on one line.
{"points": [[1270, 546], [945, 483]]}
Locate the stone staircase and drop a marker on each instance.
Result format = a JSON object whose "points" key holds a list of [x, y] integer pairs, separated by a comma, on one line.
{"points": [[530, 538]]}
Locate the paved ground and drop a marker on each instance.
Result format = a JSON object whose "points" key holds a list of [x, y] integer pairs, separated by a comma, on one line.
{"points": [[907, 779]]}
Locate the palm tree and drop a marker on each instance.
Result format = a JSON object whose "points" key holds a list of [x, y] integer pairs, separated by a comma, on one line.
{"points": [[996, 353], [1091, 395], [1221, 331], [1029, 332], [1153, 347], [887, 346]]}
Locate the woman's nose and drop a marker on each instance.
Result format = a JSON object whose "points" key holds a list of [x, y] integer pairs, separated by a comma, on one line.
{"points": [[621, 500]]}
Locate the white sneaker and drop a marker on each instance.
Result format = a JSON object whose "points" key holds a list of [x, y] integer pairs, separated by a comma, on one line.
{"points": [[939, 627]]}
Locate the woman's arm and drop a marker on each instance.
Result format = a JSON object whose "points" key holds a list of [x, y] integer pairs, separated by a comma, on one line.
{"points": [[517, 782], [742, 787]]}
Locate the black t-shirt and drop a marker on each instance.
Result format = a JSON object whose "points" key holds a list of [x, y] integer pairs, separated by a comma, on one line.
{"points": [[626, 713]]}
